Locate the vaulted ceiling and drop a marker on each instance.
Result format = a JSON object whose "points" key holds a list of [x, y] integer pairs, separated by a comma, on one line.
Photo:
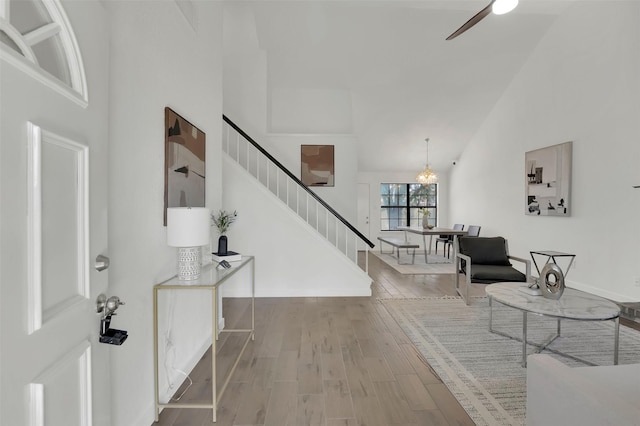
{"points": [[406, 82]]}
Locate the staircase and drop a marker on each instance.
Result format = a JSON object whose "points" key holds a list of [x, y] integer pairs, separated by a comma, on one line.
{"points": [[271, 174]]}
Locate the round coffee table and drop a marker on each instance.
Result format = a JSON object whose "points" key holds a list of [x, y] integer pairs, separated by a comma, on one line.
{"points": [[574, 304]]}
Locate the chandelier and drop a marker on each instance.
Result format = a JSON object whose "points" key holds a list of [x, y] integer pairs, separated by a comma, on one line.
{"points": [[427, 176]]}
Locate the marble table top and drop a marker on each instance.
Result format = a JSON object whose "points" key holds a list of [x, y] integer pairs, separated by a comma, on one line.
{"points": [[573, 304]]}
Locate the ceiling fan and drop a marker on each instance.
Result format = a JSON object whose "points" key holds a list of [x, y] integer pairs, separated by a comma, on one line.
{"points": [[499, 7]]}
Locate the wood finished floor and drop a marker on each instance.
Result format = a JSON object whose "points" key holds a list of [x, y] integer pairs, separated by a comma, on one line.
{"points": [[326, 362]]}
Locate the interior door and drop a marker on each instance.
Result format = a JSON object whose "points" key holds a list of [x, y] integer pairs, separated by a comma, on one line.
{"points": [[53, 226], [363, 213]]}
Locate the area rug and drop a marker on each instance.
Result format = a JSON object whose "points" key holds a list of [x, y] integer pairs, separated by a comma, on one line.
{"points": [[438, 264], [482, 369]]}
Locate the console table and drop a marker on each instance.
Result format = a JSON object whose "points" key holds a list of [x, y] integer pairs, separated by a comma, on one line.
{"points": [[574, 304], [211, 279]]}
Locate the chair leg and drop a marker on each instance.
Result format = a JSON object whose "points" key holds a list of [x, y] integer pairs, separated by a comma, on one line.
{"points": [[457, 265]]}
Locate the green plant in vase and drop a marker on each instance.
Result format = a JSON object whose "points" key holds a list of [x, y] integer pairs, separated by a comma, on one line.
{"points": [[223, 220], [425, 218]]}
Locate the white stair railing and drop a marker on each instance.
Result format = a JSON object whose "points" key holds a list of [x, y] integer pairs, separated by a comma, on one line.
{"points": [[241, 148]]}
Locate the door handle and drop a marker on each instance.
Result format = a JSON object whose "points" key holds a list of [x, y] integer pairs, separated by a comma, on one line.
{"points": [[102, 263], [107, 308]]}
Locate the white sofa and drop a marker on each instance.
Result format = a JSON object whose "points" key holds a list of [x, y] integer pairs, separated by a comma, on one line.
{"points": [[561, 395]]}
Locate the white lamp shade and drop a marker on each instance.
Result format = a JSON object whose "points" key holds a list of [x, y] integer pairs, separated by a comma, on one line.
{"points": [[188, 226]]}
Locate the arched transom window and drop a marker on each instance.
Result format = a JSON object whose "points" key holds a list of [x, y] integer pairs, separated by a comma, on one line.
{"points": [[37, 33]]}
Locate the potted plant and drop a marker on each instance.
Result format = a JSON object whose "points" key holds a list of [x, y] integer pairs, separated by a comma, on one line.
{"points": [[223, 220], [425, 218]]}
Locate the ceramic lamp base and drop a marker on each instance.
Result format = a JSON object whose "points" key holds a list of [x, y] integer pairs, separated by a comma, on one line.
{"points": [[189, 263]]}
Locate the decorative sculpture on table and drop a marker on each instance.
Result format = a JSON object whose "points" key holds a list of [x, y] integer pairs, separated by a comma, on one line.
{"points": [[425, 218], [551, 281]]}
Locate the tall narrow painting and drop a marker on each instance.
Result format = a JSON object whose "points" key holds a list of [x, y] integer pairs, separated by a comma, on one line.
{"points": [[548, 180], [317, 165], [184, 158]]}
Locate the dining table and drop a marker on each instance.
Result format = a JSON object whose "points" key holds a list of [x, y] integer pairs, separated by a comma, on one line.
{"points": [[430, 232]]}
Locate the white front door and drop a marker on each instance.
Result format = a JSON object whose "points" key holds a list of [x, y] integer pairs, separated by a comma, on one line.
{"points": [[53, 215]]}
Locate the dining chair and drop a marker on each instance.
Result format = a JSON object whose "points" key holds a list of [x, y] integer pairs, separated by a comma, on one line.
{"points": [[449, 241], [446, 239], [473, 231]]}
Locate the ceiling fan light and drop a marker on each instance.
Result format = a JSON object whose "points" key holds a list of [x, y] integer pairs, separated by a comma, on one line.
{"points": [[500, 7]]}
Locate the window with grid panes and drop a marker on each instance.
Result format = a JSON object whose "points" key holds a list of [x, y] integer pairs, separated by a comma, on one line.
{"points": [[400, 204]]}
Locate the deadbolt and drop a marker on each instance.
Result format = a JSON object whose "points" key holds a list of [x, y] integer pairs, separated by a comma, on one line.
{"points": [[102, 263]]}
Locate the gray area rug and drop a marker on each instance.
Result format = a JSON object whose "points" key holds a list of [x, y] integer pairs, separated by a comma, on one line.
{"points": [[482, 369], [438, 264]]}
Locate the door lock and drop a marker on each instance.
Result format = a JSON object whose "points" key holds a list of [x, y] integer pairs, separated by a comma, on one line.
{"points": [[107, 308], [102, 263]]}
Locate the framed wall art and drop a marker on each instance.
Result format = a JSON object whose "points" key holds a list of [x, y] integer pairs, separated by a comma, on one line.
{"points": [[184, 160], [317, 165], [548, 180]]}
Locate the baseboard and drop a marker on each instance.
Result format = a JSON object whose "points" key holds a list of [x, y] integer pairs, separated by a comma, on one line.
{"points": [[615, 297]]}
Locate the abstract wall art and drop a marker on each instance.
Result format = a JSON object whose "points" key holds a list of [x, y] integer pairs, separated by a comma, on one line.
{"points": [[317, 165], [548, 181], [184, 171]]}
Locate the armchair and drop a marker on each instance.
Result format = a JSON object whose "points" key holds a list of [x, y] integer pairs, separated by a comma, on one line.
{"points": [[486, 260]]}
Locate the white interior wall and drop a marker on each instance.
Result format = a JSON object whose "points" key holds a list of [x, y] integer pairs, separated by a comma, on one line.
{"points": [[310, 110], [581, 84], [244, 71], [245, 91], [157, 60], [285, 118]]}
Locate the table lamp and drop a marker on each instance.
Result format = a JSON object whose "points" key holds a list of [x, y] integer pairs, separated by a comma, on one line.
{"points": [[188, 229]]}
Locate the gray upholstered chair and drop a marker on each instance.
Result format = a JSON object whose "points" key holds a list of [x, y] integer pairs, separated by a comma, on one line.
{"points": [[486, 260]]}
